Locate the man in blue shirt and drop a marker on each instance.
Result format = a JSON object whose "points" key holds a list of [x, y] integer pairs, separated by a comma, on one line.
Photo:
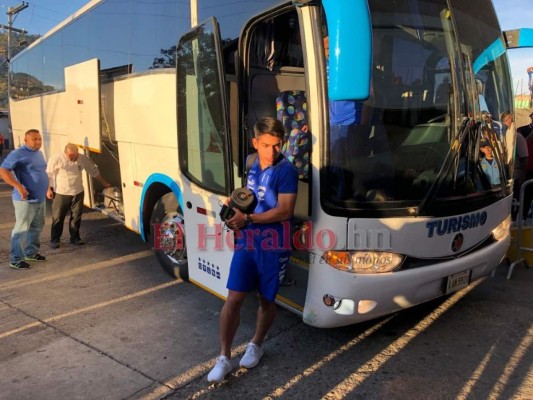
{"points": [[342, 113], [261, 252], [30, 183]]}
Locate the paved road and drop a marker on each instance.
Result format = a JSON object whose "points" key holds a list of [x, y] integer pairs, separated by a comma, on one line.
{"points": [[102, 321]]}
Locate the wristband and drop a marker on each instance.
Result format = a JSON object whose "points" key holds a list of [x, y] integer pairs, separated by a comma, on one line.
{"points": [[249, 219]]}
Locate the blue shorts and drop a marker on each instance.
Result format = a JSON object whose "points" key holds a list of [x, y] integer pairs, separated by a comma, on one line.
{"points": [[257, 269]]}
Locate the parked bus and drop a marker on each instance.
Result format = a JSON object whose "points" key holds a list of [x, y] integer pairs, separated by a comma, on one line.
{"points": [[391, 213]]}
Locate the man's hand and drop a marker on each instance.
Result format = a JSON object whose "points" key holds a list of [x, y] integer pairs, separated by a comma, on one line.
{"points": [[9, 178], [23, 192], [238, 221], [50, 193]]}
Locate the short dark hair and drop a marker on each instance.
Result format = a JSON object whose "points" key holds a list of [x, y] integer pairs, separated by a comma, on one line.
{"points": [[30, 131], [505, 115], [269, 125]]}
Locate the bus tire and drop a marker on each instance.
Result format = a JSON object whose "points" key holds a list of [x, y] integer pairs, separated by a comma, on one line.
{"points": [[169, 243]]}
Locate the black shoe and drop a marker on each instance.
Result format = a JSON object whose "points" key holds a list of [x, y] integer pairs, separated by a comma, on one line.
{"points": [[54, 244], [20, 265], [35, 257], [77, 241]]}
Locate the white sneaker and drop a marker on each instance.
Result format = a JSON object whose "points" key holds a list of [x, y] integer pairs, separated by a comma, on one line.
{"points": [[220, 370], [252, 356]]}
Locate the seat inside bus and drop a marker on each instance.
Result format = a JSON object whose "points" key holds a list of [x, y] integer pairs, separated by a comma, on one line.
{"points": [[267, 85]]}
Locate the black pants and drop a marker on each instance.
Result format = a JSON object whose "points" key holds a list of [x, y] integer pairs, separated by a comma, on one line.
{"points": [[528, 197], [61, 205]]}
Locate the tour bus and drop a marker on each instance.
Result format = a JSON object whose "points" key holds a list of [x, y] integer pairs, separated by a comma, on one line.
{"points": [[163, 96]]}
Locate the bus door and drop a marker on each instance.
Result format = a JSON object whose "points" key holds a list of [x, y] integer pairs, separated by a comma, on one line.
{"points": [[82, 112], [274, 80], [82, 82], [204, 155]]}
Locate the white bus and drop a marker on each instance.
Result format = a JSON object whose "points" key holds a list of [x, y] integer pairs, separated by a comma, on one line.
{"points": [[394, 212]]}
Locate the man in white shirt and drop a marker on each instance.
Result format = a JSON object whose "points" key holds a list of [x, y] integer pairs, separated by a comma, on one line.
{"points": [[66, 188]]}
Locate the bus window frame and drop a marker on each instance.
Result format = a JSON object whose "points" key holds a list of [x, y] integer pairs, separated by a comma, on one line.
{"points": [[182, 108]]}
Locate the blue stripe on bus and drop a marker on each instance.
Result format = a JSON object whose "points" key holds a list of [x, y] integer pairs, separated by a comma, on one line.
{"points": [[526, 37], [165, 180], [491, 53], [350, 49]]}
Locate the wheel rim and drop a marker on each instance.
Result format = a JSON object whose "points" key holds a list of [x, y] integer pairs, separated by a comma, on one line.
{"points": [[172, 238]]}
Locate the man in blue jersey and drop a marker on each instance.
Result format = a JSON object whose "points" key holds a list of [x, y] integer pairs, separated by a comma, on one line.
{"points": [[30, 183], [261, 251]]}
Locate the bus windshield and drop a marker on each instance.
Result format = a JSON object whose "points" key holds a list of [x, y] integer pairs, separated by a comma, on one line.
{"points": [[410, 138]]}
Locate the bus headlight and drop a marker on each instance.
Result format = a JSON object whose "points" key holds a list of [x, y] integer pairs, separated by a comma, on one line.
{"points": [[363, 262], [502, 230]]}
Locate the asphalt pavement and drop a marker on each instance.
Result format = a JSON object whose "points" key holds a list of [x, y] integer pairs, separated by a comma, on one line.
{"points": [[103, 321]]}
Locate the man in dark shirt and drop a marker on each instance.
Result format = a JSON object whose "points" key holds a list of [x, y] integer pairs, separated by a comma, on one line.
{"points": [[526, 130]]}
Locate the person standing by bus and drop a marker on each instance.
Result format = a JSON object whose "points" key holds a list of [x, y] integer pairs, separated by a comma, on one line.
{"points": [[29, 198], [260, 258], [527, 130], [66, 190], [520, 164]]}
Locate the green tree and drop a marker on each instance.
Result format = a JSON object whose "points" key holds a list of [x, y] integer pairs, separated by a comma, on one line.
{"points": [[167, 59]]}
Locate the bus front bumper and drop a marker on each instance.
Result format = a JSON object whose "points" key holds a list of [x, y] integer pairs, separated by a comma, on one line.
{"points": [[337, 298]]}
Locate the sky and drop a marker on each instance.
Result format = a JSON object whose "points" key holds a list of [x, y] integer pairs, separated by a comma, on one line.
{"points": [[42, 15], [517, 14]]}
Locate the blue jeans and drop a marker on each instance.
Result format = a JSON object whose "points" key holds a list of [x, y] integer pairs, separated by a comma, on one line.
{"points": [[27, 231]]}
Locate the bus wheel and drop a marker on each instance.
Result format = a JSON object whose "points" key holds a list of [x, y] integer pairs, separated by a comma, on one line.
{"points": [[167, 230]]}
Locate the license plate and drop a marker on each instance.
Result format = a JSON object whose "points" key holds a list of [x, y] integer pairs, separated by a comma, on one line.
{"points": [[458, 281]]}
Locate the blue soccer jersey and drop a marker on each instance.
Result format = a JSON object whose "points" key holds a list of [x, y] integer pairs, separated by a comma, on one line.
{"points": [[267, 184], [262, 250]]}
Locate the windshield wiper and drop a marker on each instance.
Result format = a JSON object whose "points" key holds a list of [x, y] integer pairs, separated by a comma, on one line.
{"points": [[452, 160]]}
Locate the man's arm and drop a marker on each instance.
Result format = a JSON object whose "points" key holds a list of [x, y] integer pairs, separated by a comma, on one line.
{"points": [[104, 183], [8, 178], [283, 212], [51, 170], [88, 164]]}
